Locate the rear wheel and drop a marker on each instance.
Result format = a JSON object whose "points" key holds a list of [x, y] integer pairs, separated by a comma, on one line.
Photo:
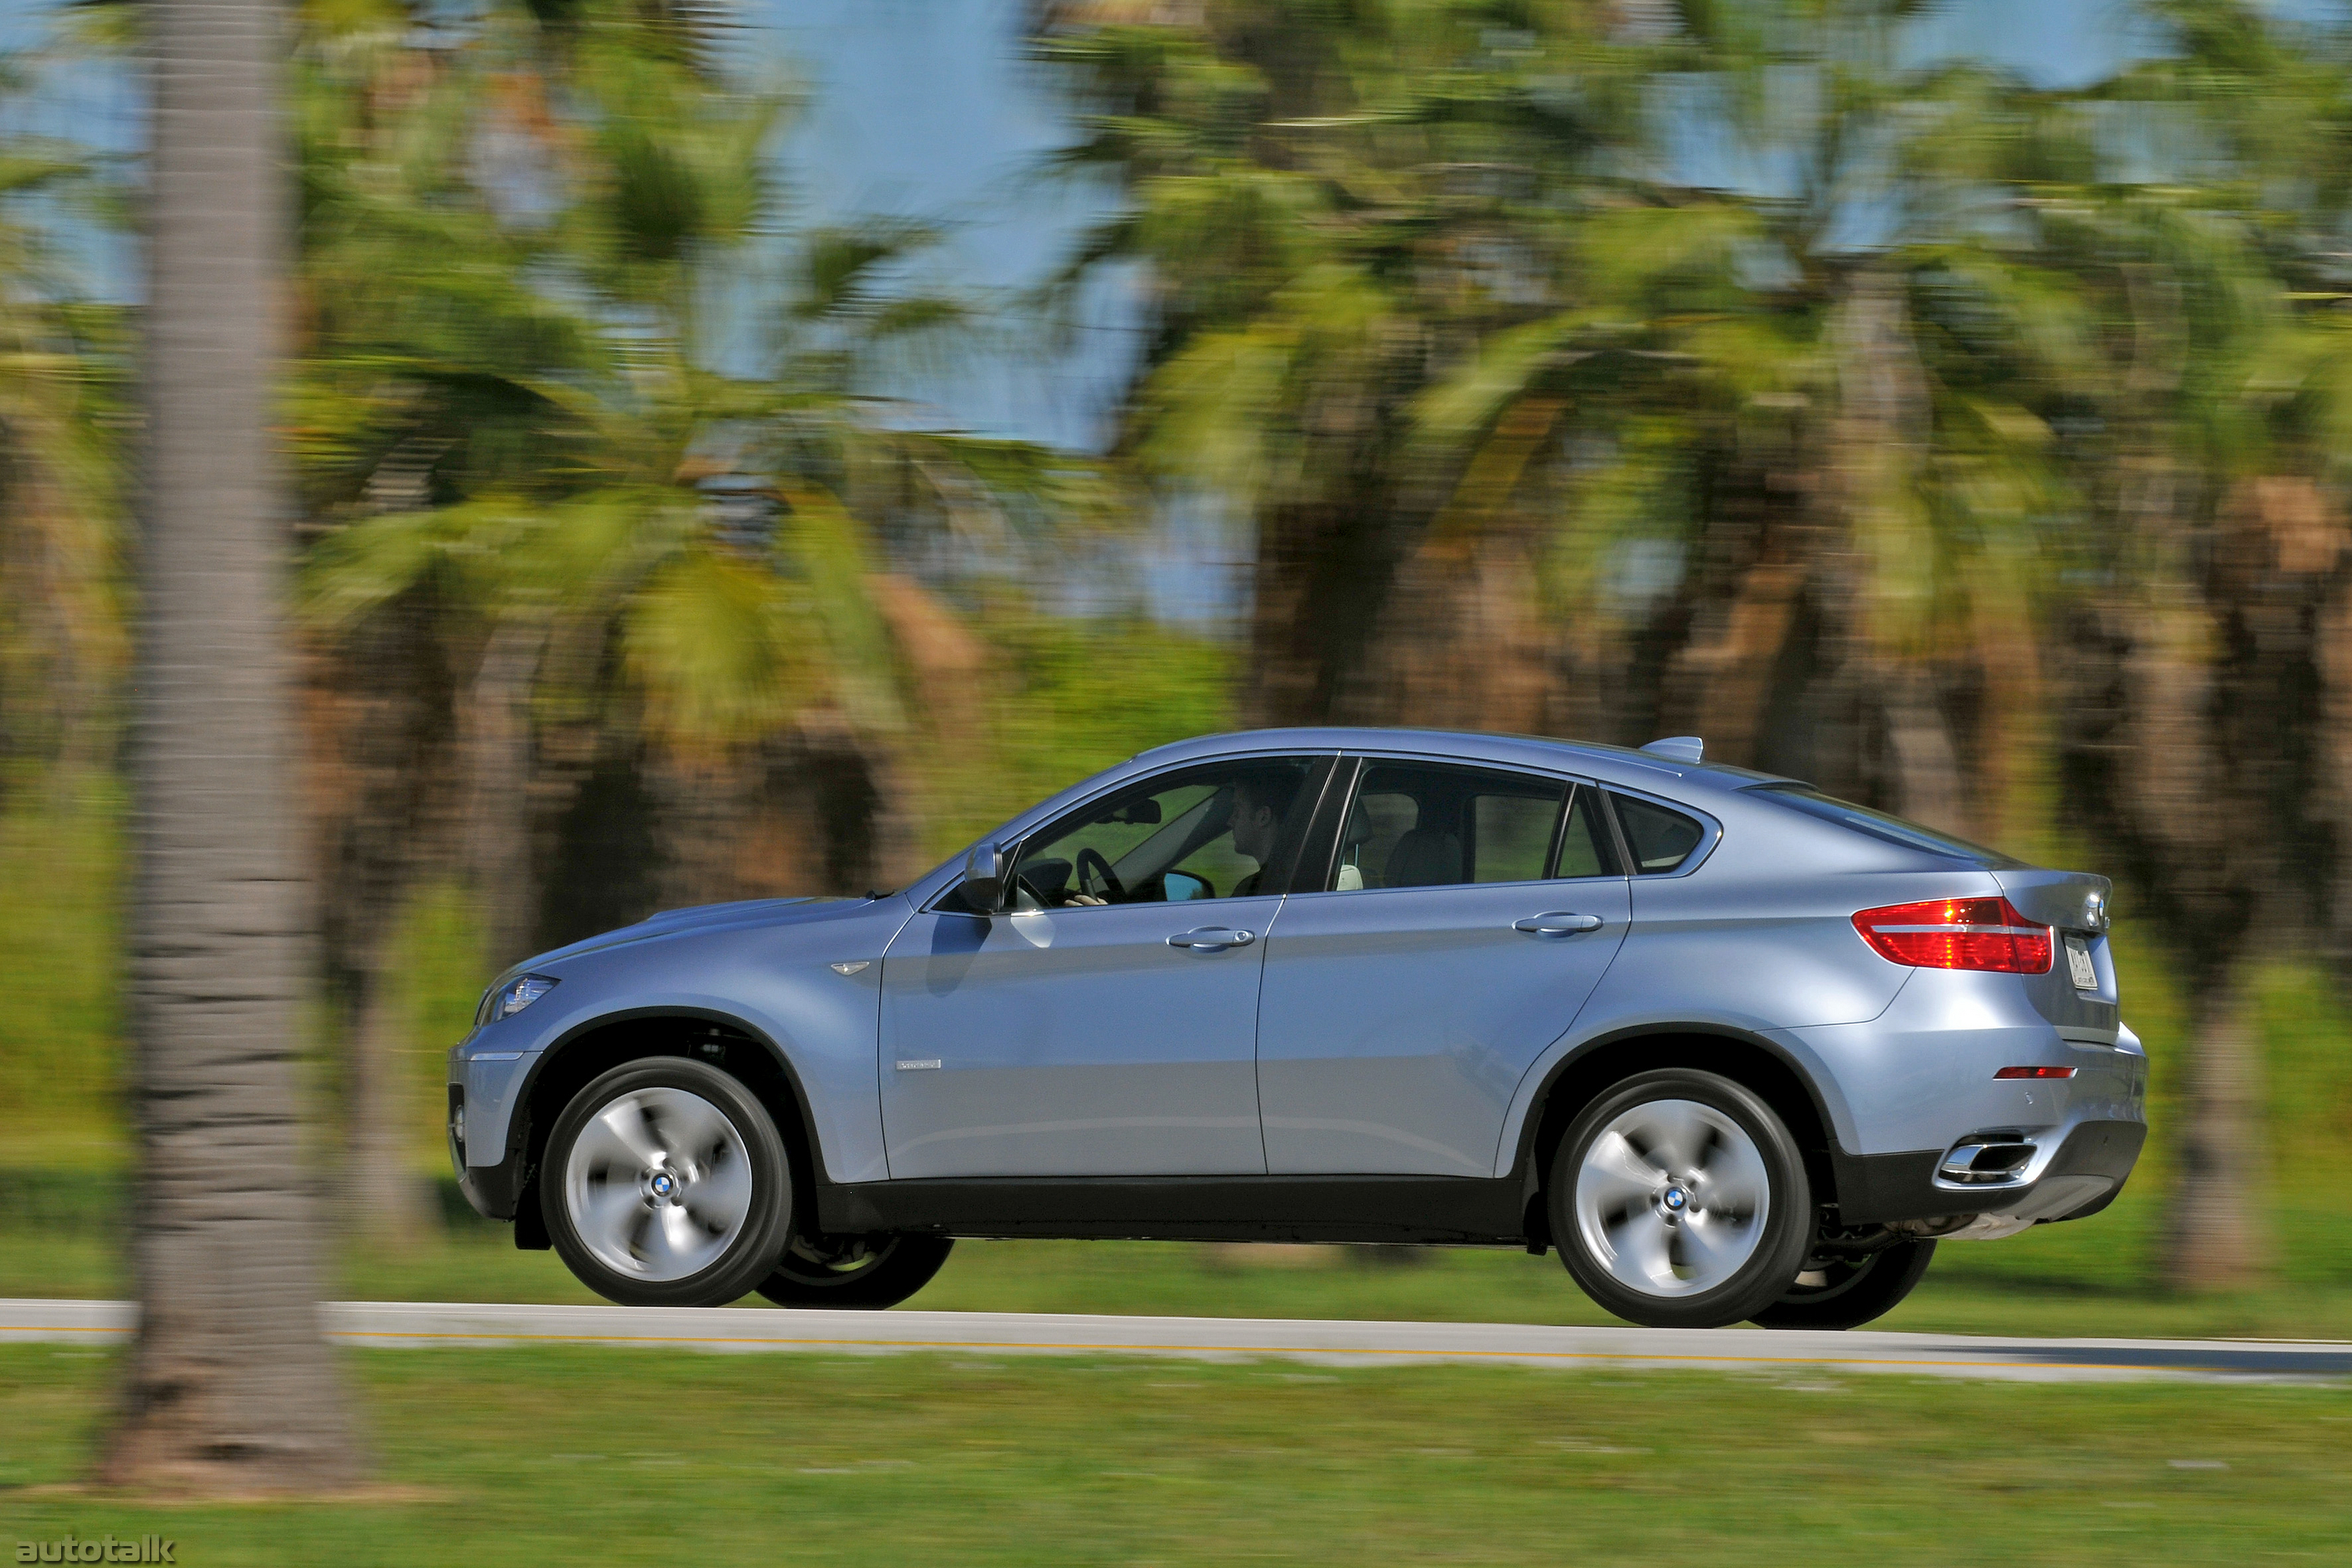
{"points": [[666, 1185], [1847, 1292], [1679, 1200], [868, 1272]]}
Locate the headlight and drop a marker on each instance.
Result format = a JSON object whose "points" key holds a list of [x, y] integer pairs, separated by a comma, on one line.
{"points": [[514, 997]]}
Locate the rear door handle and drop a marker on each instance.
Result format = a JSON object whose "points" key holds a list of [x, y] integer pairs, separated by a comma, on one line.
{"points": [[1213, 937], [1559, 923]]}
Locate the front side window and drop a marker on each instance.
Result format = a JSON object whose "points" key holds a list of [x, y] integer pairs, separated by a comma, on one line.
{"points": [[1224, 830], [1425, 826]]}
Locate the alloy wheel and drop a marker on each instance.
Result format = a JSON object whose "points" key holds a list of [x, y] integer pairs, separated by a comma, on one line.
{"points": [[658, 1183], [1672, 1197]]}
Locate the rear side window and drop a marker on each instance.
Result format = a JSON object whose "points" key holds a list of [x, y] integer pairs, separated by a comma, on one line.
{"points": [[1661, 840], [1879, 824], [1585, 849], [1427, 826]]}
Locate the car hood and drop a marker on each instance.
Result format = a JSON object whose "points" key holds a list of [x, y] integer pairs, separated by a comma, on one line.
{"points": [[703, 918]]}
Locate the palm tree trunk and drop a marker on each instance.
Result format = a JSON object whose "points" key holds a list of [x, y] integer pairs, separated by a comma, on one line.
{"points": [[1922, 763], [390, 1202], [2215, 1238], [494, 745], [231, 1389], [2184, 791]]}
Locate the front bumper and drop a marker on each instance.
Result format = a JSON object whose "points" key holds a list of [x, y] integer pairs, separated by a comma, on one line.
{"points": [[2079, 1177], [485, 1088], [493, 1190]]}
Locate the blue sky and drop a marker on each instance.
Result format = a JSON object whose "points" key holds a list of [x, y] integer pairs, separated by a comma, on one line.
{"points": [[926, 109]]}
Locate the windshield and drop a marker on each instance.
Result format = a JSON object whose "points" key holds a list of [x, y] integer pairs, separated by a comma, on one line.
{"points": [[1879, 824]]}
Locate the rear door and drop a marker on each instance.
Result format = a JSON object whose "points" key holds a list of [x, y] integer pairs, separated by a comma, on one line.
{"points": [[1463, 918]]}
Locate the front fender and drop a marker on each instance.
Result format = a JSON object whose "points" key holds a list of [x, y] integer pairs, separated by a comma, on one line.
{"points": [[775, 983]]}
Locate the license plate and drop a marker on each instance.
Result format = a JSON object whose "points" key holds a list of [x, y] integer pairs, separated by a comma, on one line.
{"points": [[2079, 965]]}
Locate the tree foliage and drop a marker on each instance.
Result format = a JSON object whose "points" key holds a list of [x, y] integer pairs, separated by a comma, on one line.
{"points": [[1623, 368]]}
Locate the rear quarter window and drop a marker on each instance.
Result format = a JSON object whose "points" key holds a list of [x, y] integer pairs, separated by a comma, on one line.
{"points": [[1661, 840]]}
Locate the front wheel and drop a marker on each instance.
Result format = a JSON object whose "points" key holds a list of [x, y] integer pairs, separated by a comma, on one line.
{"points": [[861, 1272], [1847, 1292], [666, 1184], [1679, 1201]]}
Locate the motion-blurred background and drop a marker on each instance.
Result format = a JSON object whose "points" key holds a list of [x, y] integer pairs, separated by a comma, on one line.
{"points": [[750, 448]]}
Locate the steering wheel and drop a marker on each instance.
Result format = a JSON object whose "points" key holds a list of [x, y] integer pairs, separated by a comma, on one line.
{"points": [[1111, 890]]}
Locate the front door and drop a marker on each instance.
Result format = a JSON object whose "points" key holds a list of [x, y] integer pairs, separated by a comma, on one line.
{"points": [[1467, 916], [1108, 1026]]}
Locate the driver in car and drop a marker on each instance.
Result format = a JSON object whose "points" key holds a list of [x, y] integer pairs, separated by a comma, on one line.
{"points": [[1255, 821]]}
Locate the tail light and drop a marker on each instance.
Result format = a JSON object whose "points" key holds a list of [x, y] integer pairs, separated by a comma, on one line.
{"points": [[1958, 934]]}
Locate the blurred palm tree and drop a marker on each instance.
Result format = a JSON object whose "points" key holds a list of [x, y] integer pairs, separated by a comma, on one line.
{"points": [[230, 1388], [2212, 659], [61, 373], [592, 465], [1624, 369], [1496, 320]]}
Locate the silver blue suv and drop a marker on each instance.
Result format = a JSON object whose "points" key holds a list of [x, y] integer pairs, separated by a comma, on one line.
{"points": [[1736, 1049]]}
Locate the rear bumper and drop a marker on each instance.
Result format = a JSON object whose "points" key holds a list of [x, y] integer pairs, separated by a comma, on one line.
{"points": [[2077, 1179]]}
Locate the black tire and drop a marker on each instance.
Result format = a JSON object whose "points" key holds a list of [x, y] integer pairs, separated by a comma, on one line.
{"points": [[1855, 1292], [1761, 1217], [856, 1272], [630, 1257]]}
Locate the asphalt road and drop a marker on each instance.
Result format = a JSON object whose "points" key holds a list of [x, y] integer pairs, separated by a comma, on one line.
{"points": [[417, 1324]]}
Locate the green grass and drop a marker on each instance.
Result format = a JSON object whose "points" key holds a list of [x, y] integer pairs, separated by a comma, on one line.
{"points": [[60, 865], [621, 1457]]}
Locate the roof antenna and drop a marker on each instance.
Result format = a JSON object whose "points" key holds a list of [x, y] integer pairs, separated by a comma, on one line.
{"points": [[1681, 748]]}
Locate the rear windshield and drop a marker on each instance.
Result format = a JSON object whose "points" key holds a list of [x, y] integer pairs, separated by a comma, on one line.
{"points": [[1878, 824]]}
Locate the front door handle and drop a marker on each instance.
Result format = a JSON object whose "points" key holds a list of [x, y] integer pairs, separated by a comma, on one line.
{"points": [[1213, 937], [1558, 923]]}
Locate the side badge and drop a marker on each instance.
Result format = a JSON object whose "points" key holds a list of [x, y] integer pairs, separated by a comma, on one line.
{"points": [[850, 968]]}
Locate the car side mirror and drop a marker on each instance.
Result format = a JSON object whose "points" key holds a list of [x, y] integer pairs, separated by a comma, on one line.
{"points": [[986, 875]]}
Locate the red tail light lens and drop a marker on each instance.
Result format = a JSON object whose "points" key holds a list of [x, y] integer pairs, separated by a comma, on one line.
{"points": [[1958, 934], [2035, 1072]]}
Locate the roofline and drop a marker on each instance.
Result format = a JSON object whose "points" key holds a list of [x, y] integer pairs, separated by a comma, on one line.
{"points": [[1620, 766], [1601, 756]]}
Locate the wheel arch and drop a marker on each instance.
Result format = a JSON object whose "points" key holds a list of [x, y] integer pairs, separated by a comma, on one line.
{"points": [[597, 1045], [1750, 1060]]}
